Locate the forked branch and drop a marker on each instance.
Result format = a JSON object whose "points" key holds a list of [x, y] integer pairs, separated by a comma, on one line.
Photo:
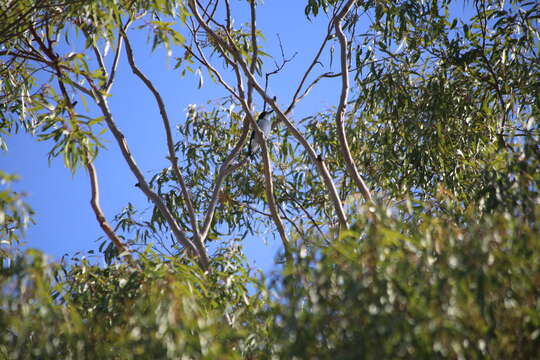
{"points": [[227, 45], [168, 134], [197, 251], [316, 159]]}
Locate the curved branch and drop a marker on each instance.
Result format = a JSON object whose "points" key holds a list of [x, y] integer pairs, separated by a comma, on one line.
{"points": [[315, 61], [345, 150], [224, 170], [116, 60], [168, 133], [100, 217], [100, 99], [270, 192]]}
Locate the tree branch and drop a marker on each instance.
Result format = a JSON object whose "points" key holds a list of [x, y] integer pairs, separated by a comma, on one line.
{"points": [[315, 61], [259, 134], [270, 191], [345, 150], [100, 99], [317, 160], [255, 50], [168, 133], [100, 217], [116, 60], [224, 170], [100, 60], [94, 202]]}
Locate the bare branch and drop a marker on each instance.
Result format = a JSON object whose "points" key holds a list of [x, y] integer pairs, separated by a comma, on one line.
{"points": [[170, 143], [270, 191], [116, 60], [279, 67], [327, 75], [100, 217], [254, 55], [201, 253], [291, 221], [345, 150], [311, 86], [80, 87], [302, 207], [315, 61], [100, 60], [228, 9], [224, 170]]}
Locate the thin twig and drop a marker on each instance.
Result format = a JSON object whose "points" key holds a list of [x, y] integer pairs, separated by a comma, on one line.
{"points": [[116, 60], [279, 67], [315, 61], [302, 207], [291, 221], [100, 60], [255, 50]]}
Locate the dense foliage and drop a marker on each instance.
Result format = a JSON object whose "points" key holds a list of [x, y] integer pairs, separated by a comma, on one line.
{"points": [[390, 287], [167, 309], [427, 288], [438, 113]]}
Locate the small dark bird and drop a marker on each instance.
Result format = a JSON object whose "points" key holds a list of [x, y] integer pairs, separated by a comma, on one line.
{"points": [[265, 124]]}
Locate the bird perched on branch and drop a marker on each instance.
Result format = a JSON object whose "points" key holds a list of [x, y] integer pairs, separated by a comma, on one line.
{"points": [[265, 124]]}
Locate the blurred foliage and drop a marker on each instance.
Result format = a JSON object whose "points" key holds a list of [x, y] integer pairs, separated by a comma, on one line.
{"points": [[399, 284], [15, 214], [168, 310]]}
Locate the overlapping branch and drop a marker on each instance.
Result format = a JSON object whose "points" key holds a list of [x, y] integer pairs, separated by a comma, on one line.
{"points": [[243, 66], [101, 100], [225, 46]]}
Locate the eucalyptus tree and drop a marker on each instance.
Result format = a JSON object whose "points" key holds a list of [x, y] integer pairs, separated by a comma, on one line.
{"points": [[431, 106], [434, 127]]}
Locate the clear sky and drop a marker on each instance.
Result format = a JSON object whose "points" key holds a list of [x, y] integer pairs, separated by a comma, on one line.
{"points": [[65, 222]]}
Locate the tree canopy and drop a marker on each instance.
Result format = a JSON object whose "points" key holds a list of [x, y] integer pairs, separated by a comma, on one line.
{"points": [[407, 210]]}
